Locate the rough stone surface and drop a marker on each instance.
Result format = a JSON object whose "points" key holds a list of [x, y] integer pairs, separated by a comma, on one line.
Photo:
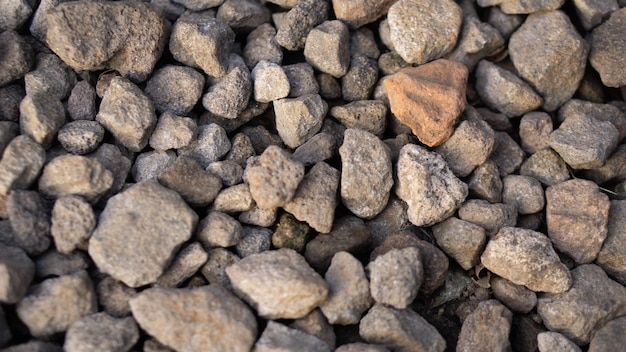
{"points": [[278, 337], [327, 48], [50, 77], [208, 318], [548, 53], [427, 185], [477, 41], [127, 37], [469, 146], [546, 166], [14, 14], [186, 263], [81, 105], [81, 137], [301, 79], [254, 240], [29, 217], [261, 45], [523, 192], [112, 158], [517, 298], [366, 177], [487, 328], [144, 214], [41, 116], [299, 21], [211, 145], [243, 15], [214, 270], [75, 175], [16, 273], [592, 301], [258, 216], [461, 240], [396, 276], [553, 341], [534, 131], [485, 182], [10, 97], [270, 82], [186, 177], [234, 199], [101, 332], [175, 88], [602, 112], [368, 115], [228, 171], [359, 81], [218, 230], [173, 132], [523, 7], [607, 44], [400, 330], [150, 164], [577, 215], [229, 96], [356, 13], [526, 257], [508, 155], [53, 263], [113, 296], [318, 148], [299, 119], [491, 217], [429, 98], [391, 220], [73, 221], [612, 256], [609, 337], [17, 59], [316, 324]]}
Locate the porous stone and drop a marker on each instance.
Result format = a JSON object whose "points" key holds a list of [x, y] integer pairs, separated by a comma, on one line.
{"points": [[75, 175], [29, 217], [175, 88], [284, 274], [127, 113], [214, 270], [485, 182], [270, 82], [218, 230], [101, 332], [253, 240], [242, 15], [523, 7], [429, 98], [396, 276], [516, 297], [400, 330], [358, 83], [611, 257], [185, 176], [366, 177], [548, 53], [146, 213], [186, 263], [261, 45], [607, 44], [81, 137], [51, 76], [546, 166], [508, 155], [123, 36], [17, 58], [299, 21], [422, 31], [602, 112], [52, 306], [73, 221], [553, 341], [477, 41], [16, 273], [150, 164], [427, 185], [111, 158], [469, 146], [592, 301], [278, 337], [577, 215], [461, 240], [523, 192], [318, 148], [486, 328], [210, 145], [258, 216], [327, 48], [229, 96], [526, 257], [368, 115], [41, 116], [534, 131], [173, 132], [356, 13], [299, 119], [176, 316], [234, 199], [81, 105], [301, 79]]}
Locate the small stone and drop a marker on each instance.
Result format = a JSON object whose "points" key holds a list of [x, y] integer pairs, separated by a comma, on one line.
{"points": [[477, 41], [52, 306], [505, 23], [185, 176], [316, 324], [546, 166], [602, 112], [329, 86], [14, 14], [41, 116], [278, 337], [358, 83], [16, 273], [50, 77], [113, 296], [17, 58], [101, 332], [429, 98], [390, 63], [301, 80], [526, 257], [361, 347], [362, 41], [53, 263], [81, 137], [34, 346], [609, 337], [126, 37], [258, 216], [396, 276], [508, 155], [173, 132], [391, 220], [428, 186], [422, 31], [299, 119], [10, 98], [577, 215], [175, 88], [131, 126], [212, 144], [261, 45], [492, 217], [368, 115], [497, 121], [30, 222], [73, 221], [607, 44], [253, 240], [593, 300], [327, 48], [290, 233], [229, 96], [611, 257], [469, 146], [523, 192], [366, 177], [218, 230], [112, 159], [534, 131], [234, 199], [75, 175], [242, 15], [260, 138], [487, 328], [318, 148], [523, 6], [203, 42], [547, 40], [150, 164], [260, 278], [147, 216], [214, 270], [186, 263], [81, 104], [199, 5], [400, 330], [461, 240], [299, 21], [485, 182], [518, 298], [174, 316], [270, 82], [553, 341], [5, 333], [360, 12]]}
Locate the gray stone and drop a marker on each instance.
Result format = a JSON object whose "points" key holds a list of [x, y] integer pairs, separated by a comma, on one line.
{"points": [[29, 216], [492, 217], [52, 306], [75, 175], [361, 347], [113, 297], [477, 41], [127, 113], [428, 186], [101, 332], [14, 14], [485, 182], [186, 263], [612, 256], [327, 48], [16, 273], [505, 23], [396, 276], [229, 95], [534, 131], [185, 176], [173, 132], [329, 86], [50, 77], [358, 83], [81, 137], [553, 341], [602, 112], [391, 220], [279, 284], [41, 116], [301, 80], [577, 214], [211, 145], [258, 216], [243, 15], [318, 148], [299, 21], [487, 328], [228, 171], [175, 88], [34, 346], [81, 104], [497, 121], [362, 41], [278, 337], [592, 301], [10, 98], [523, 6], [53, 263], [546, 166], [316, 324], [175, 316], [469, 146], [17, 58], [516, 297], [366, 177], [607, 44], [368, 115], [242, 148], [299, 119], [593, 12], [390, 63], [400, 330], [545, 41], [201, 41], [523, 192], [123, 36], [214, 270], [253, 240], [270, 82], [144, 214], [461, 240], [261, 45], [8, 131], [73, 221], [111, 158], [260, 138], [150, 164], [610, 337], [218, 230], [526, 257], [234, 199]]}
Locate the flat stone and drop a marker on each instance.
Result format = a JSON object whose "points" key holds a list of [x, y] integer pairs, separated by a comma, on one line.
{"points": [[593, 300], [485, 182], [81, 105], [396, 276], [429, 98], [526, 257], [360, 12], [146, 213], [523, 192], [16, 273], [175, 316], [546, 166], [73, 221], [606, 45], [469, 146], [461, 240], [18, 58], [228, 97], [318, 148], [278, 337], [486, 328], [51, 76], [270, 82], [187, 262], [75, 175], [553, 341], [534, 131], [299, 119], [279, 284], [612, 257], [517, 298], [101, 332], [358, 83], [327, 48], [299, 21], [29, 217], [368, 115], [126, 37], [41, 116], [175, 88], [577, 214]]}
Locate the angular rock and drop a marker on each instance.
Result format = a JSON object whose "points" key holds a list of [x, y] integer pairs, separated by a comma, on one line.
{"points": [[461, 240], [14, 14], [17, 58], [577, 215], [477, 41], [270, 82], [228, 171], [186, 263], [75, 175], [111, 158], [299, 21], [612, 256], [218, 230], [10, 98], [546, 166], [516, 297], [214, 270], [101, 332], [358, 83], [234, 199], [602, 112], [607, 44], [147, 216], [150, 164], [301, 80], [29, 217], [81, 105], [211, 145], [428, 186], [523, 6], [73, 221], [368, 115], [53, 264], [50, 77], [176, 316], [429, 98], [316, 324], [553, 341], [491, 217], [41, 116], [327, 48], [329, 86], [469, 146], [81, 137], [396, 276], [391, 220], [609, 337], [229, 95], [243, 15], [360, 12], [261, 45], [16, 273], [175, 88], [113, 296], [185, 176], [487, 328], [258, 216], [508, 155], [523, 192], [318, 148], [299, 119], [173, 132], [279, 284], [485, 182], [254, 240], [291, 233], [278, 337], [362, 41], [534, 131], [526, 257]]}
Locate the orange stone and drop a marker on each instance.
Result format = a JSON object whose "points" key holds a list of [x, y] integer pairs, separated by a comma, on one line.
{"points": [[429, 98]]}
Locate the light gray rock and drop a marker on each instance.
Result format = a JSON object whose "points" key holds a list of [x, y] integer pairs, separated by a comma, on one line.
{"points": [[150, 164], [185, 176], [14, 14], [396, 276], [73, 221], [75, 175], [602, 112], [523, 6], [29, 217], [211, 145], [229, 95], [41, 116], [270, 82], [461, 240], [361, 12], [391, 220], [299, 119], [50, 77], [16, 273], [173, 132], [487, 328], [101, 332], [523, 192], [187, 262], [477, 41], [254, 240], [606, 45], [175, 88], [612, 257], [218, 229], [278, 337], [146, 213], [485, 182], [299, 21], [553, 341], [546, 166], [469, 146], [81, 105], [327, 48], [593, 12], [234, 199], [258, 216], [516, 297], [368, 115]]}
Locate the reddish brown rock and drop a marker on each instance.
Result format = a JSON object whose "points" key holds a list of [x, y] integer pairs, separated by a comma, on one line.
{"points": [[429, 98], [356, 13]]}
